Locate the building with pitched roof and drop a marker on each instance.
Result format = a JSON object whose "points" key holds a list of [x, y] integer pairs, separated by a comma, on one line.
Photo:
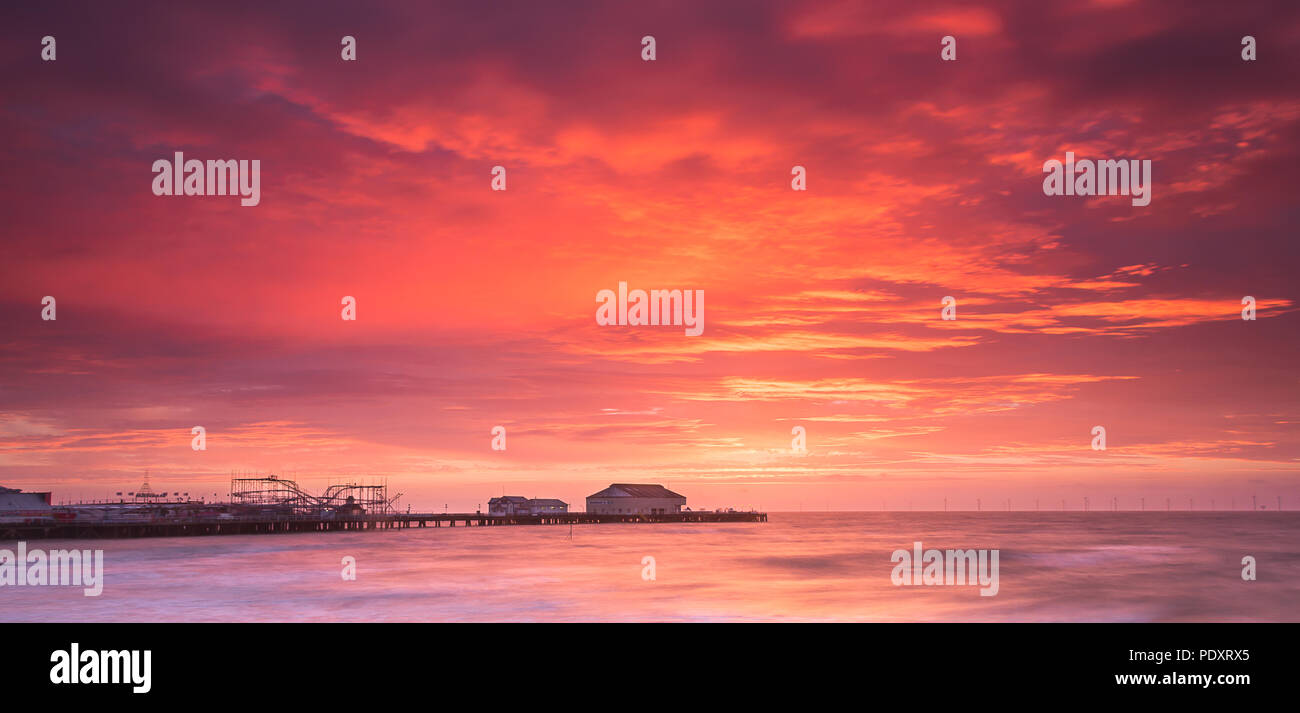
{"points": [[519, 505], [635, 499], [508, 505], [542, 506]]}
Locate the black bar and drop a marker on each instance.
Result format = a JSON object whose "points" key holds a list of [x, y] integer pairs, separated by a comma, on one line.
{"points": [[940, 664]]}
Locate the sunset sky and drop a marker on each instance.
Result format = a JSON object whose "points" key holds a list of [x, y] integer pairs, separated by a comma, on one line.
{"points": [[476, 308]]}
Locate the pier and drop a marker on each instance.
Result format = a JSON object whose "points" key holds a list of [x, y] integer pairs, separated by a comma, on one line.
{"points": [[258, 525]]}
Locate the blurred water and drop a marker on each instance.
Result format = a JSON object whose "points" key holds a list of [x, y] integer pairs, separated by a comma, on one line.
{"points": [[796, 567]]}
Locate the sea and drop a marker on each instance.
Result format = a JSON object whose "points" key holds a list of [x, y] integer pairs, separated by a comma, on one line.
{"points": [[797, 567]]}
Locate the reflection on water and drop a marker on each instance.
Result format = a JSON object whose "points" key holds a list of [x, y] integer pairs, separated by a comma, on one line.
{"points": [[797, 567]]}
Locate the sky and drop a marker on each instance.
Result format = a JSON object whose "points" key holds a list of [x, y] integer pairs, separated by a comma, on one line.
{"points": [[476, 308]]}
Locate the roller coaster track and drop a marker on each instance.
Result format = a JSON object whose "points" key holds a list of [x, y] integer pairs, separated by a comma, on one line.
{"points": [[275, 491]]}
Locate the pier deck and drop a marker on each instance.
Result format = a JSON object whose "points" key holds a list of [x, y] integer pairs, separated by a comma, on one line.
{"points": [[249, 525]]}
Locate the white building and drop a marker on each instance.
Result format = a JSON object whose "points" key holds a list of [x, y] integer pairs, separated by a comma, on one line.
{"points": [[635, 499], [15, 499]]}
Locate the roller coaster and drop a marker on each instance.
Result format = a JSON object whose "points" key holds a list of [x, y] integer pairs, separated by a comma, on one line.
{"points": [[272, 492]]}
